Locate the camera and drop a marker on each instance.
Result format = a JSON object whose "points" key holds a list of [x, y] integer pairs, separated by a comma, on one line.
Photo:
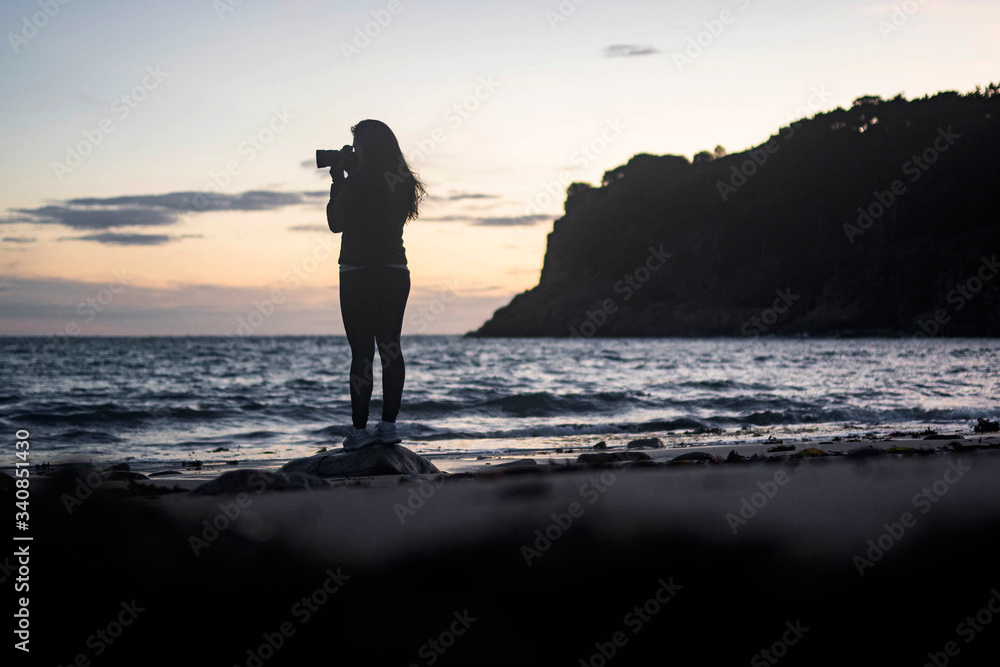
{"points": [[345, 158]]}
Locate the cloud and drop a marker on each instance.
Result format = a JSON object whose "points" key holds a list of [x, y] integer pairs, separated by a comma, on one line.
{"points": [[521, 220], [629, 50], [508, 221], [19, 239], [458, 196], [199, 202], [117, 238], [471, 195], [108, 213], [92, 218], [446, 218]]}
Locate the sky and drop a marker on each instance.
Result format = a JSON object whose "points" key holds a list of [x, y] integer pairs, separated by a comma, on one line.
{"points": [[159, 177]]}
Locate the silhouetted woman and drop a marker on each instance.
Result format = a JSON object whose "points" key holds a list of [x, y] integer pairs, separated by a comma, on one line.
{"points": [[370, 205]]}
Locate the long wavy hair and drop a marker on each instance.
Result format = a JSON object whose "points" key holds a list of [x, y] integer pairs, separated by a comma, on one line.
{"points": [[384, 155]]}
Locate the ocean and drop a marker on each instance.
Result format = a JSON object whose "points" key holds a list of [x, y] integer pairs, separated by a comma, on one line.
{"points": [[170, 401]]}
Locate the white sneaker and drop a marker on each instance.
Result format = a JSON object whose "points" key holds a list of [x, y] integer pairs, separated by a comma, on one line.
{"points": [[357, 438], [386, 433]]}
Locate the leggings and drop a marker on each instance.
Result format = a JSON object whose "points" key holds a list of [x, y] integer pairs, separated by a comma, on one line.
{"points": [[372, 301]]}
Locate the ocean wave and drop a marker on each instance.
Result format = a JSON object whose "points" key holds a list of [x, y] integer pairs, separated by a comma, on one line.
{"points": [[544, 404], [108, 414], [148, 396], [86, 436]]}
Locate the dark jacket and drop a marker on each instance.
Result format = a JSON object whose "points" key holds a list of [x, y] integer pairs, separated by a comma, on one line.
{"points": [[371, 217]]}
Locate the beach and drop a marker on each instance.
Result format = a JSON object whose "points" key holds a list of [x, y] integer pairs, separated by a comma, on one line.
{"points": [[829, 552]]}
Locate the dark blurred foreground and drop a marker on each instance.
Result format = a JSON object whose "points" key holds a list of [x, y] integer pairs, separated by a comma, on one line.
{"points": [[639, 566]]}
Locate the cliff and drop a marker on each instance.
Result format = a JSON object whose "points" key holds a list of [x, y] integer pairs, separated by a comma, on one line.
{"points": [[881, 219]]}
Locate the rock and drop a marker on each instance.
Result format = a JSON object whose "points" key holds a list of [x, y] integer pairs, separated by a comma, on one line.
{"points": [[123, 467], [986, 426], [696, 457], [220, 449], [365, 462], [601, 445], [612, 457], [943, 436], [645, 443], [735, 458], [256, 481], [781, 448], [165, 472], [811, 452]]}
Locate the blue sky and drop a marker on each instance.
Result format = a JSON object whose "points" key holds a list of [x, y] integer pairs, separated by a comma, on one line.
{"points": [[498, 105]]}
